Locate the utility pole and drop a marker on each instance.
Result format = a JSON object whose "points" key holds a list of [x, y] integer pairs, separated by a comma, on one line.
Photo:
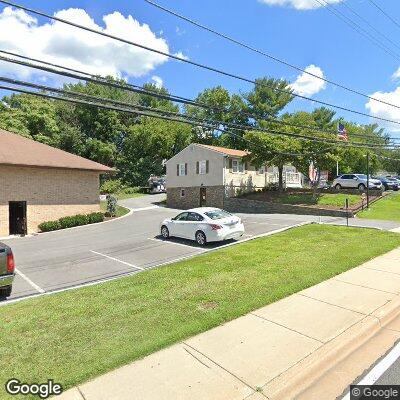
{"points": [[367, 179]]}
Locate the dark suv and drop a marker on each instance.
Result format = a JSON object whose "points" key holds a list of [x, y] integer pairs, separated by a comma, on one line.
{"points": [[7, 268]]}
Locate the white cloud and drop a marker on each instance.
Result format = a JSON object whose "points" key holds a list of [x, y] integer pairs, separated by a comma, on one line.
{"points": [[300, 4], [307, 85], [396, 75], [385, 111], [72, 47], [157, 81]]}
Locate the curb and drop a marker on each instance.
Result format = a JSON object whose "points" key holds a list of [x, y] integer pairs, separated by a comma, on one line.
{"points": [[303, 375]]}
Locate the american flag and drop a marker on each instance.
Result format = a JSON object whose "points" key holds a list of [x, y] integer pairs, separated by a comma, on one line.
{"points": [[342, 133]]}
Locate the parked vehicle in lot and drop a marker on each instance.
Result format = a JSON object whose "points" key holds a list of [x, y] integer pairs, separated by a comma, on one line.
{"points": [[7, 267], [355, 181], [388, 183], [203, 225]]}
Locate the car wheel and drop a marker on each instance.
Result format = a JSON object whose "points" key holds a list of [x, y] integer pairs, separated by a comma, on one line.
{"points": [[201, 238], [5, 291], [338, 186], [361, 187], [164, 232]]}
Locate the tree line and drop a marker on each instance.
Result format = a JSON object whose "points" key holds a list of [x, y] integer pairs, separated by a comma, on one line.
{"points": [[138, 146]]}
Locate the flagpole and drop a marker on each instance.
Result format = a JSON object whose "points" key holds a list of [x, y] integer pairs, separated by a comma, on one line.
{"points": [[337, 168]]}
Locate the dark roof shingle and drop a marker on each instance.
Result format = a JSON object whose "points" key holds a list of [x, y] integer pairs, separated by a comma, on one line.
{"points": [[18, 150]]}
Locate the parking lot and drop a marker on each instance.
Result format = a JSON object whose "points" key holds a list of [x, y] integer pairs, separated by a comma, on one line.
{"points": [[63, 259]]}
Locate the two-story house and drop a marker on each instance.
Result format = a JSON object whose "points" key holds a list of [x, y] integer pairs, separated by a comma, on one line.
{"points": [[202, 175]]}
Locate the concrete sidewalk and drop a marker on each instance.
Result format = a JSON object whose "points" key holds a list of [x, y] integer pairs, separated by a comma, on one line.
{"points": [[294, 348]]}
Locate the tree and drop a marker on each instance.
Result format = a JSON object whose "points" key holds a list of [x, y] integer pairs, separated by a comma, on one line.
{"points": [[268, 98], [148, 145]]}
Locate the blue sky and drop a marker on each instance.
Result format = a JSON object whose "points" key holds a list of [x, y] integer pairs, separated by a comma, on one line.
{"points": [[302, 37]]}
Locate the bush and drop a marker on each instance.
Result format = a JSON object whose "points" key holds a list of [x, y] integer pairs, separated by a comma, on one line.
{"points": [[49, 226], [131, 190], [95, 217], [111, 206], [70, 222], [111, 186]]}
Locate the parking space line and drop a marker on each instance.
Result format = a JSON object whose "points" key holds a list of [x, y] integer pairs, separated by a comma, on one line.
{"points": [[33, 284], [188, 246], [116, 259]]}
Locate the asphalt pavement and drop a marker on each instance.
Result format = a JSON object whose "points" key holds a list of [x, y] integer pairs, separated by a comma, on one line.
{"points": [[63, 259]]}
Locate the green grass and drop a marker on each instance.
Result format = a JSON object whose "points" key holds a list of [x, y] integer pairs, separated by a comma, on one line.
{"points": [[76, 335], [326, 199], [123, 195], [387, 208], [119, 212]]}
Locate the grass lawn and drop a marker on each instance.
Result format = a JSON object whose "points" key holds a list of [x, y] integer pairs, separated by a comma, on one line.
{"points": [[76, 335], [120, 210], [387, 208], [325, 199], [123, 195]]}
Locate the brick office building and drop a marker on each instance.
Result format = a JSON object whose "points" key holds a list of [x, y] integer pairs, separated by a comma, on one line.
{"points": [[41, 183]]}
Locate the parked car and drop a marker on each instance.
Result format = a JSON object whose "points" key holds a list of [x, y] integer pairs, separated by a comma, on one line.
{"points": [[203, 225], [388, 183], [355, 181], [7, 267]]}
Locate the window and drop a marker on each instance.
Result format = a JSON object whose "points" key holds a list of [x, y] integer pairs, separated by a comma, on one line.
{"points": [[202, 167], [181, 169], [261, 170], [182, 192], [218, 214], [181, 217], [194, 217], [237, 166]]}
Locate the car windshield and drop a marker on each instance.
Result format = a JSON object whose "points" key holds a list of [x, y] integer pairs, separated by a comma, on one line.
{"points": [[217, 214]]}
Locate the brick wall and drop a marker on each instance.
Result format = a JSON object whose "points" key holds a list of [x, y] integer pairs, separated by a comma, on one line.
{"points": [[50, 193], [191, 199]]}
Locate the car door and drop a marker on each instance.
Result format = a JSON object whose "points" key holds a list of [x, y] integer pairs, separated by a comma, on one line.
{"points": [[178, 224], [346, 181], [193, 222]]}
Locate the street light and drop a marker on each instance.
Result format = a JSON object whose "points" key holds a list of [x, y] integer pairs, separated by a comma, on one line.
{"points": [[367, 179]]}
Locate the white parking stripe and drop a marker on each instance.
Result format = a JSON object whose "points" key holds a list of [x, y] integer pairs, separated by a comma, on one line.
{"points": [[379, 369], [116, 259], [176, 243], [33, 284]]}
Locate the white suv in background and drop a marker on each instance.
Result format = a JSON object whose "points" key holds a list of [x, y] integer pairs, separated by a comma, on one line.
{"points": [[355, 181]]}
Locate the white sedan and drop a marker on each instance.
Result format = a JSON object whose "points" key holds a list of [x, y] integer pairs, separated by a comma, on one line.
{"points": [[203, 225]]}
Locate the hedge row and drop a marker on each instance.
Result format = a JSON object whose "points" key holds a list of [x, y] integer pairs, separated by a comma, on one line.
{"points": [[69, 222]]}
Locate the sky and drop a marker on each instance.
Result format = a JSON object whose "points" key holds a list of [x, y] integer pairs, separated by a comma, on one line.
{"points": [[302, 32]]}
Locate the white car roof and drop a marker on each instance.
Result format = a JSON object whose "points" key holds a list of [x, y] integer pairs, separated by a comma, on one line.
{"points": [[202, 210]]}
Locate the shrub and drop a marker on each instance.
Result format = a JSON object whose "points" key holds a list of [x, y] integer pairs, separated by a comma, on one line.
{"points": [[131, 190], [70, 222], [111, 186], [111, 206], [49, 226], [95, 217]]}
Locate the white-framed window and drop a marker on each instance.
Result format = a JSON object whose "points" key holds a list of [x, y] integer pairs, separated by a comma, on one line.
{"points": [[182, 169], [202, 167], [182, 192], [237, 166]]}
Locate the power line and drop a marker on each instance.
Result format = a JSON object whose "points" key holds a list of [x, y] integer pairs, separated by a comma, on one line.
{"points": [[358, 28], [385, 13], [199, 65], [265, 54], [164, 114], [370, 25], [125, 86]]}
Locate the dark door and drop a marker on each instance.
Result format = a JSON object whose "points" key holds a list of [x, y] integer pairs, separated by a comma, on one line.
{"points": [[203, 197], [17, 217]]}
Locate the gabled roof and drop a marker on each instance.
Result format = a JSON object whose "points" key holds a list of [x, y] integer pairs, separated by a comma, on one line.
{"points": [[18, 150], [226, 151]]}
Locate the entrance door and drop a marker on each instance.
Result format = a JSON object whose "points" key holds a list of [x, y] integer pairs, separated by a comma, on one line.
{"points": [[203, 197], [17, 217]]}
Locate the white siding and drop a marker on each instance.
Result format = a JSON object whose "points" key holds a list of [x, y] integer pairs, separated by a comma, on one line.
{"points": [[191, 155]]}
